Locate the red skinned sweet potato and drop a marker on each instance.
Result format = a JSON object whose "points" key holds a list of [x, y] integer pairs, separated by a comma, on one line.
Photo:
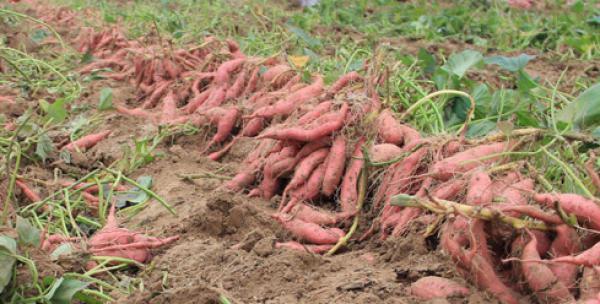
{"points": [[432, 287]]}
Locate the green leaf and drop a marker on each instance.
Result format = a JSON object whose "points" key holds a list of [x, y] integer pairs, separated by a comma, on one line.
{"points": [[483, 98], [86, 58], [8, 248], [135, 195], [44, 146], [480, 128], [512, 64], [585, 110], [105, 99], [356, 65], [28, 234], [65, 155], [526, 119], [65, 290], [594, 20], [427, 61], [76, 125], [38, 35], [304, 36], [525, 82], [459, 63], [63, 249], [57, 111]]}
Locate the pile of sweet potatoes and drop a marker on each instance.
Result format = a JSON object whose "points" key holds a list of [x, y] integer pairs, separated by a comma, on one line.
{"points": [[313, 142]]}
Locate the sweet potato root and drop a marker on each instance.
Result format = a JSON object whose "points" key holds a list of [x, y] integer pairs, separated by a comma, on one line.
{"points": [[87, 141], [431, 287], [541, 279], [301, 247], [469, 159], [334, 165], [584, 209], [309, 231]]}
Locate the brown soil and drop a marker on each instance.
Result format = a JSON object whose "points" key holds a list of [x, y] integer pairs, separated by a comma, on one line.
{"points": [[226, 247]]}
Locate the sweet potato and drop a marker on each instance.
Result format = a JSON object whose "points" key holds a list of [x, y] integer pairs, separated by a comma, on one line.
{"points": [[306, 166], [253, 127], [480, 269], [588, 258], [501, 183], [541, 279], [301, 247], [309, 190], [215, 99], [485, 277], [315, 113], [268, 185], [87, 141], [403, 172], [479, 191], [586, 210], [252, 82], [305, 135], [275, 71], [159, 91], [243, 178], [334, 165], [343, 81], [27, 191], [467, 160], [410, 135], [225, 126], [432, 287], [169, 109], [236, 89], [448, 190], [287, 105], [515, 193], [384, 152], [224, 71], [309, 231], [120, 242], [313, 215], [348, 190], [531, 211], [389, 129], [234, 49], [566, 243]]}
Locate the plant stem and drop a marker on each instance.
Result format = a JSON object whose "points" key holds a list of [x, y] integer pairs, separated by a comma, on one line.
{"points": [[362, 193], [449, 207], [444, 92]]}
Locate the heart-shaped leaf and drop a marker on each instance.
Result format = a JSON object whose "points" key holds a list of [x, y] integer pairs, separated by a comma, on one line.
{"points": [[585, 110], [512, 64], [63, 290], [105, 99], [8, 248], [459, 63], [63, 249], [135, 195], [57, 111], [28, 234]]}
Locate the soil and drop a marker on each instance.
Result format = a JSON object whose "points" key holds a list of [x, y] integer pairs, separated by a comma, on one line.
{"points": [[227, 247]]}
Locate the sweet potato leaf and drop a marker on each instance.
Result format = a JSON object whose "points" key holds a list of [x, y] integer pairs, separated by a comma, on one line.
{"points": [[585, 110], [459, 63]]}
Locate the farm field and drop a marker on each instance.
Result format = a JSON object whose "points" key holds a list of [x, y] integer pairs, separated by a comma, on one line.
{"points": [[183, 151]]}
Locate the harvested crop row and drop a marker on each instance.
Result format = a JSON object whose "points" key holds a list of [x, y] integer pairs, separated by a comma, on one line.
{"points": [[314, 142]]}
